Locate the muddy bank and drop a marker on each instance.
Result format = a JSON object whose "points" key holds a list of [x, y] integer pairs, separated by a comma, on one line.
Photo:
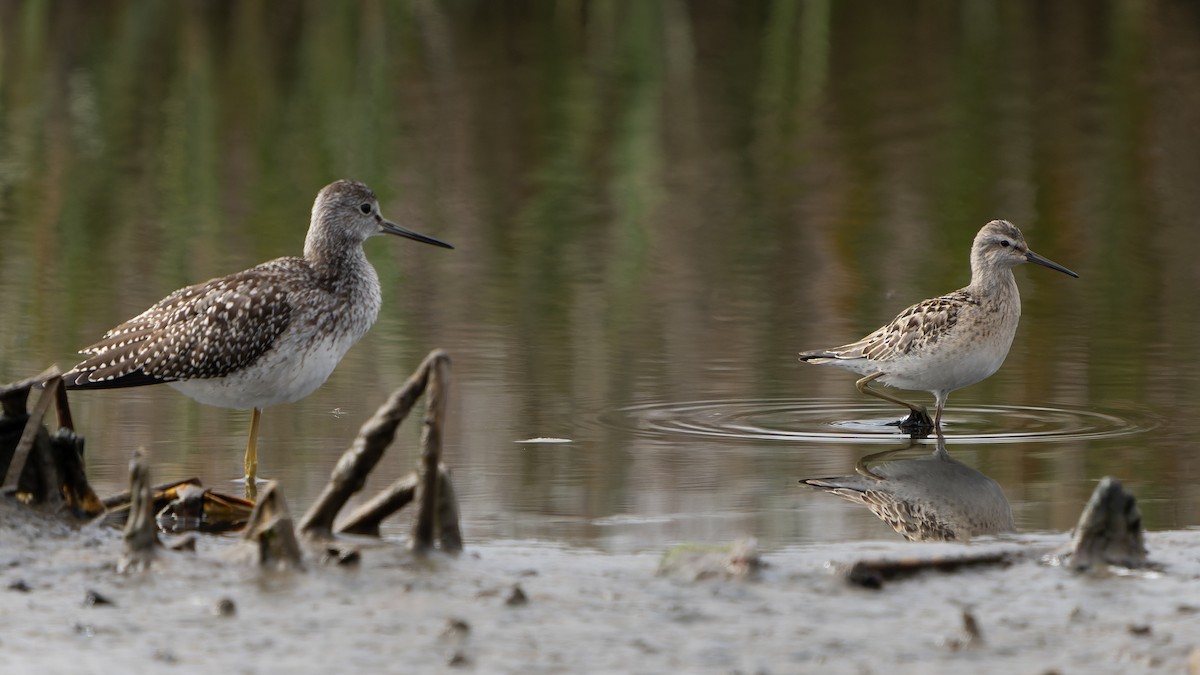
{"points": [[579, 610]]}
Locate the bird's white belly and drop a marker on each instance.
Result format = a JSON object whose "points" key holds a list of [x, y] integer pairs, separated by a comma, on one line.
{"points": [[955, 365], [291, 370]]}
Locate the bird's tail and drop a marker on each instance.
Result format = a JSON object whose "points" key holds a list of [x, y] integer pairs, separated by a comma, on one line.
{"points": [[851, 488], [854, 483]]}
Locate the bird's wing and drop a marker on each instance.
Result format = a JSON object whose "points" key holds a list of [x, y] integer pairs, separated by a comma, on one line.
{"points": [[909, 519], [915, 328], [207, 330]]}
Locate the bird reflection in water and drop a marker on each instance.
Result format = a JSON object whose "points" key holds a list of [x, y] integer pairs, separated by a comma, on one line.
{"points": [[930, 498]]}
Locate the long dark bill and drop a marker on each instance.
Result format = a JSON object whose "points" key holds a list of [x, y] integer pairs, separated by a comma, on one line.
{"points": [[1046, 262], [392, 228]]}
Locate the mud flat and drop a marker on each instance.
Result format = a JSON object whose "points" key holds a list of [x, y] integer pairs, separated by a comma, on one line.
{"points": [[92, 599], [513, 606]]}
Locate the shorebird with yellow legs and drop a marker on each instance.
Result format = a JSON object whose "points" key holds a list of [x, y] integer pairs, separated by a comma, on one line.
{"points": [[949, 342], [264, 336]]}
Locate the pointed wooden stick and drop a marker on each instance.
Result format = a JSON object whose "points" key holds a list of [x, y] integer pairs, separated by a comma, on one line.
{"points": [[449, 532], [141, 531], [366, 519], [270, 533], [373, 438], [62, 407], [32, 426], [431, 454]]}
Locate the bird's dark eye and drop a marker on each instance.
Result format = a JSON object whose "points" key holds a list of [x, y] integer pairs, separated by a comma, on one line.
{"points": [[366, 208], [1003, 242]]}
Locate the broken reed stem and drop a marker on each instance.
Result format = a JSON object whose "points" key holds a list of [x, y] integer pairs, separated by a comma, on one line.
{"points": [[366, 519], [449, 533], [15, 394], [126, 497], [62, 407], [270, 535], [32, 426], [431, 454], [14, 399], [373, 438], [141, 530]]}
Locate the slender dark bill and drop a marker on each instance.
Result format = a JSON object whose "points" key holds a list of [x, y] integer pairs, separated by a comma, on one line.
{"points": [[1046, 262], [392, 228]]}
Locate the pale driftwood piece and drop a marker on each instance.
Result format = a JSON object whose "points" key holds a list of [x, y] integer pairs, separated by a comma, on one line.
{"points": [[270, 534], [425, 523], [356, 463], [449, 532], [141, 531], [366, 519]]}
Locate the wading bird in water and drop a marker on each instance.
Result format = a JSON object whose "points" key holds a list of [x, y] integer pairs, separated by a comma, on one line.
{"points": [[949, 342]]}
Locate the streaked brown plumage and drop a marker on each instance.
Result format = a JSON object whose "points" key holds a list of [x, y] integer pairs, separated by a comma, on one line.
{"points": [[264, 336], [932, 498]]}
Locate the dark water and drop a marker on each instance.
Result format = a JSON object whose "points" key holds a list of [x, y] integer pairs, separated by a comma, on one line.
{"points": [[655, 205]]}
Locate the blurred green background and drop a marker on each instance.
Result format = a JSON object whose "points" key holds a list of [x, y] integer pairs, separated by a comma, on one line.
{"points": [[652, 203]]}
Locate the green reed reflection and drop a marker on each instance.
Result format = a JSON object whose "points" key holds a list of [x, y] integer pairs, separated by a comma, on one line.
{"points": [[651, 201]]}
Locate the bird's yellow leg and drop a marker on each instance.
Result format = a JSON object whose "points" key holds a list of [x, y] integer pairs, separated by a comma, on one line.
{"points": [[252, 449], [863, 388]]}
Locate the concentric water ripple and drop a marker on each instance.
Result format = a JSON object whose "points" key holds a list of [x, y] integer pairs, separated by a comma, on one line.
{"points": [[820, 420]]}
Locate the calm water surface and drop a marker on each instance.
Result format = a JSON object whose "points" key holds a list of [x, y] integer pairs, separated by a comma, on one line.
{"points": [[655, 205]]}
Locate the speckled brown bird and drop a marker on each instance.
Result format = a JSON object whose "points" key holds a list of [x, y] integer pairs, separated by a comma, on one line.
{"points": [[268, 335]]}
